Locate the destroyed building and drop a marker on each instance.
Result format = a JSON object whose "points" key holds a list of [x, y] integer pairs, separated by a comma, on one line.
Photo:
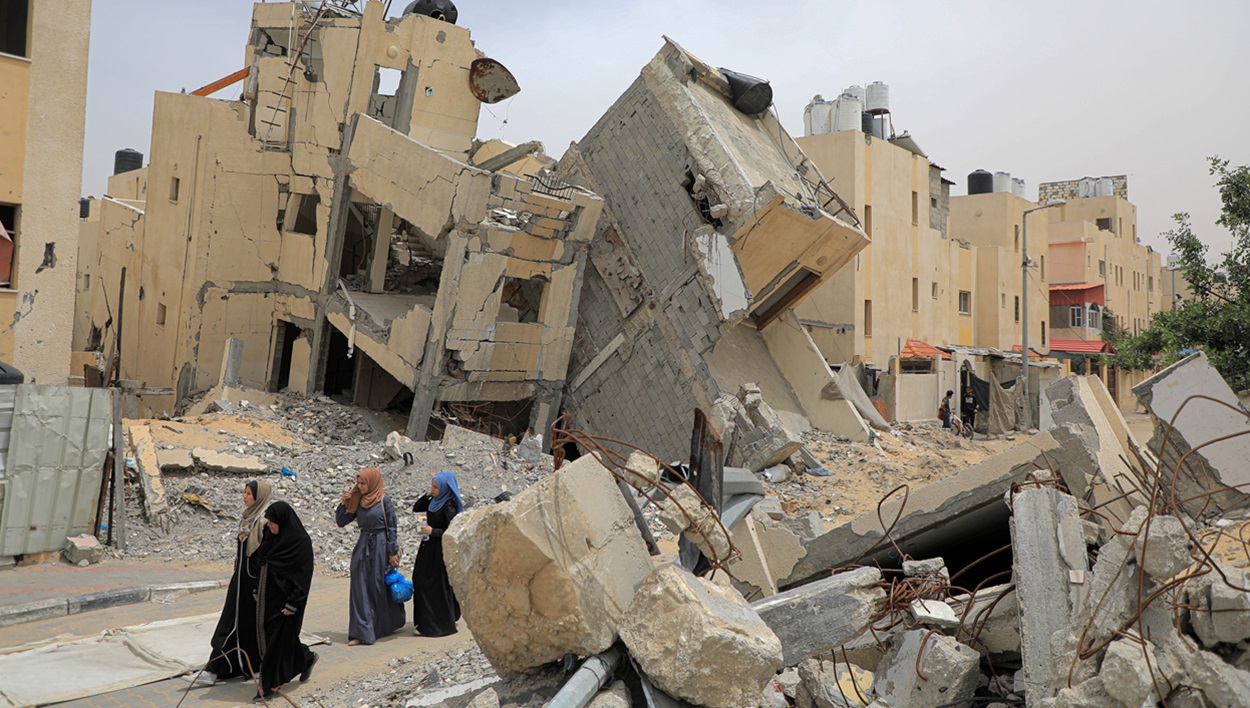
{"points": [[715, 225], [332, 220]]}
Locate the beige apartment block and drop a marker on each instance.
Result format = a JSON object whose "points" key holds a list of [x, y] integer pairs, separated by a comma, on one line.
{"points": [[993, 224], [332, 221], [43, 97], [907, 283]]}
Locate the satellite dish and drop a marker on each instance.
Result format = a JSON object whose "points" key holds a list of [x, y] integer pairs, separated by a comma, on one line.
{"points": [[491, 82]]}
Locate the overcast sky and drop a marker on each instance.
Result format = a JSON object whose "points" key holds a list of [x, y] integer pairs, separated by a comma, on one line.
{"points": [[1047, 91]]}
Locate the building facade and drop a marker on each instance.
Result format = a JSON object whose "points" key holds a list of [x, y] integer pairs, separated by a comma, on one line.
{"points": [[43, 97]]}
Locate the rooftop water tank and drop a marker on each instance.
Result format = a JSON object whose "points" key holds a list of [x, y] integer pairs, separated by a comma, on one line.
{"points": [[84, 208], [1002, 182], [1017, 186], [866, 121], [846, 113], [877, 98], [856, 91], [127, 160], [980, 182], [1104, 187], [1086, 187], [817, 116], [444, 10]]}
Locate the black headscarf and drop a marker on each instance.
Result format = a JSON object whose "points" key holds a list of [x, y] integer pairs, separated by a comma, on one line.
{"points": [[289, 554]]}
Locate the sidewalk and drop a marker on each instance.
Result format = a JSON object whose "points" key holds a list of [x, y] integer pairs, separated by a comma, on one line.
{"points": [[327, 616], [58, 589]]}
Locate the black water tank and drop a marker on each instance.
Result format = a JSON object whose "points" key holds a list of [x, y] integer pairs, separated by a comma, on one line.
{"points": [[750, 94], [84, 208], [865, 123], [444, 10], [127, 160], [9, 374], [980, 182]]}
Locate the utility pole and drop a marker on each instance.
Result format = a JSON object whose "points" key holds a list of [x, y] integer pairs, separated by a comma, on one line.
{"points": [[1024, 308]]}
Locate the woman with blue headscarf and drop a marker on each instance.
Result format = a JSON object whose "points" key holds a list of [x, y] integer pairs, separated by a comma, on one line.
{"points": [[434, 606]]}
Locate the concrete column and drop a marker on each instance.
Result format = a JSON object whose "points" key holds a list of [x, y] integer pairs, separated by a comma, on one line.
{"points": [[381, 251], [425, 388], [231, 362]]}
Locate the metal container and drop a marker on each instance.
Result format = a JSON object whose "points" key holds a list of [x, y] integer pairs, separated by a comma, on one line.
{"points": [[127, 160]]}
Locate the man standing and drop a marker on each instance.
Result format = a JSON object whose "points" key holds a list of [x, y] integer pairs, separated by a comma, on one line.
{"points": [[944, 410], [969, 408]]}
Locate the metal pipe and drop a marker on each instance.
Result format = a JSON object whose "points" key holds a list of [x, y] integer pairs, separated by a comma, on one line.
{"points": [[593, 675]]}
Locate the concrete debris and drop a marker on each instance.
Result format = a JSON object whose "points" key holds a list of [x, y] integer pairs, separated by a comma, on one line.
{"points": [[485, 699], [722, 655], [1213, 477], [149, 467], [826, 684], [397, 444], [995, 613], [768, 552], [642, 471], [1164, 551], [925, 669], [933, 613], [1132, 668], [83, 550], [762, 439], [569, 544], [227, 462], [684, 513], [823, 615], [1219, 610]]}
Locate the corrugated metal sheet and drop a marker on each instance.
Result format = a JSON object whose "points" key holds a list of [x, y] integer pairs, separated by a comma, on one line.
{"points": [[57, 447], [8, 394]]}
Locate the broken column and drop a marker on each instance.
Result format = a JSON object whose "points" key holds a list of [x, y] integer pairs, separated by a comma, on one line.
{"points": [[1213, 474], [1048, 568], [549, 573], [698, 641]]}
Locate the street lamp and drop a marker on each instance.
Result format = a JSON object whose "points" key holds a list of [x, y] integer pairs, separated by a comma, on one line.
{"points": [[1024, 306]]}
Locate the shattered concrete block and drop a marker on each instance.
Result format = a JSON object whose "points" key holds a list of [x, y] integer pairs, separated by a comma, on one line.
{"points": [[550, 572], [698, 641], [932, 570], [397, 444], [820, 616], [952, 670], [1130, 666], [683, 512], [228, 462], [614, 696], [1165, 551], [1221, 683], [1220, 613], [642, 471], [1214, 475], [221, 406], [149, 467], [1088, 694], [1047, 548], [767, 553], [788, 681], [82, 550], [456, 438], [177, 458], [485, 699], [933, 613], [826, 684], [995, 612], [806, 526], [771, 506]]}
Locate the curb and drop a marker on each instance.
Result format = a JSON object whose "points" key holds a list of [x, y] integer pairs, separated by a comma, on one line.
{"points": [[72, 605]]}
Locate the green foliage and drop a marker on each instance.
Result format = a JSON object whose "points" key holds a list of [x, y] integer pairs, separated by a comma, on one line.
{"points": [[1217, 318]]}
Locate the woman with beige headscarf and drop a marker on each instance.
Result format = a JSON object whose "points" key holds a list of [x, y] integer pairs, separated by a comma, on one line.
{"points": [[372, 613], [235, 643]]}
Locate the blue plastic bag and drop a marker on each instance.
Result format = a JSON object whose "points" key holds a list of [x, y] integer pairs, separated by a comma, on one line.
{"points": [[400, 587]]}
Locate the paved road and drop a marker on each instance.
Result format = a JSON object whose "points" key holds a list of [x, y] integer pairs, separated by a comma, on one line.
{"points": [[327, 617]]}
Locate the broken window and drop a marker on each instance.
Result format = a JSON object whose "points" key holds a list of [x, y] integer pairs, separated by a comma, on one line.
{"points": [[498, 418], [414, 264], [305, 221], [1017, 239], [284, 336], [522, 300], [965, 302], [706, 202], [361, 222], [382, 103], [94, 339], [340, 368], [9, 214], [1043, 334], [14, 16]]}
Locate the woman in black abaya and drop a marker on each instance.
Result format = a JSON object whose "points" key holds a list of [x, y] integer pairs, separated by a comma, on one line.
{"points": [[434, 606], [282, 594]]}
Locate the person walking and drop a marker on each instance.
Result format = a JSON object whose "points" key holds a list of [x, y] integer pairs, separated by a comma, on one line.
{"points": [[434, 606], [281, 598], [969, 408], [944, 410], [234, 643], [372, 613]]}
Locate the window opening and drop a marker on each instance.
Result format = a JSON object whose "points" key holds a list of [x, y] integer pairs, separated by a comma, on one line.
{"points": [[965, 302], [305, 221]]}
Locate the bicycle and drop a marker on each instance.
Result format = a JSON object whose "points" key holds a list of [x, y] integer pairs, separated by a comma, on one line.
{"points": [[960, 428]]}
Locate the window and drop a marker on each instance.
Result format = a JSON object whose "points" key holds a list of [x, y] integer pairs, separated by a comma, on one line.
{"points": [[1102, 268], [933, 291], [867, 318], [1095, 317], [1104, 224], [306, 213], [173, 189], [915, 294], [1002, 301], [160, 314], [1043, 334], [9, 227], [14, 16], [1017, 240], [1017, 308], [1043, 268], [933, 202], [1076, 316], [868, 220], [86, 281], [965, 302], [915, 208], [1151, 281]]}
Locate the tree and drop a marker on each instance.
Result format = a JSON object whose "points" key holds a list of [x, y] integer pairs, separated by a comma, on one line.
{"points": [[1217, 318]]}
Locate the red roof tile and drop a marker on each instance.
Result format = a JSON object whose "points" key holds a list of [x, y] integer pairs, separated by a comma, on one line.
{"points": [[1081, 346], [918, 349]]}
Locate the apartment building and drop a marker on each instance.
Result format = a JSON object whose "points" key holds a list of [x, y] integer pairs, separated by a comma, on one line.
{"points": [[43, 98]]}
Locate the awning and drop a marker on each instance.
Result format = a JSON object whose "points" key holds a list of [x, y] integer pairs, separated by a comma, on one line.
{"points": [[1081, 346]]}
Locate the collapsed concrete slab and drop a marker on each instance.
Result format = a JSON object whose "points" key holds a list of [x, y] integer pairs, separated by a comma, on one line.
{"points": [[950, 671], [1049, 569], [550, 572], [1214, 474], [767, 552], [228, 462], [698, 641], [950, 511], [822, 615]]}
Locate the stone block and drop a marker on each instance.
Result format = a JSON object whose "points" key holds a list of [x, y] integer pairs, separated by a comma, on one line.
{"points": [[614, 696], [550, 572], [951, 671], [933, 613], [1219, 612], [642, 471], [1165, 551], [83, 550], [1133, 668], [1088, 694], [683, 512], [826, 684], [767, 553], [485, 699], [698, 641], [820, 616], [397, 444], [996, 613]]}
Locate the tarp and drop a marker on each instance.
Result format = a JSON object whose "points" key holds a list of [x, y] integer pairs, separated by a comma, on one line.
{"points": [[847, 384], [60, 670], [1005, 407]]}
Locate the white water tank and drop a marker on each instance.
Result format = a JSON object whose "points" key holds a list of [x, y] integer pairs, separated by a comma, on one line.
{"points": [[1086, 187], [816, 117], [1104, 188], [1002, 181], [847, 113], [877, 98], [1017, 186], [856, 91]]}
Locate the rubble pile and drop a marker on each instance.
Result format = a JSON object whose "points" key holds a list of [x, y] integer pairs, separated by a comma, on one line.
{"points": [[310, 449]]}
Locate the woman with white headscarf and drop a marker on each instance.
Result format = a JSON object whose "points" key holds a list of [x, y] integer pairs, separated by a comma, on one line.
{"points": [[235, 651]]}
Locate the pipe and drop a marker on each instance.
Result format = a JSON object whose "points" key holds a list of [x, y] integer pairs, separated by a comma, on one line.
{"points": [[582, 686]]}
